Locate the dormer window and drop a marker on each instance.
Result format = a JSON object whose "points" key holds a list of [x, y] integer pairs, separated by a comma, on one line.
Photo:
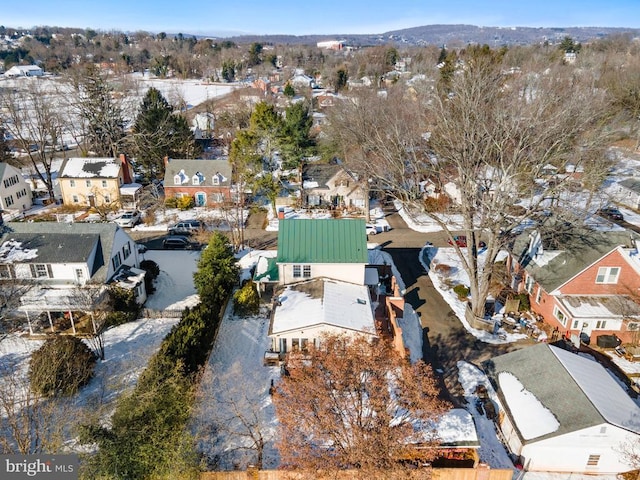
{"points": [[180, 178], [215, 180], [176, 180], [197, 179]]}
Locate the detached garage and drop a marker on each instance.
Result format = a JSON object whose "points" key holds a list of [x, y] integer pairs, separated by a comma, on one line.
{"points": [[562, 412]]}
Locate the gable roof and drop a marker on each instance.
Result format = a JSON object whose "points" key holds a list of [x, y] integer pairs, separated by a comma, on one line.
{"points": [[90, 168], [52, 242], [578, 391], [5, 169], [323, 302], [205, 168], [632, 184], [318, 175], [322, 241], [575, 251]]}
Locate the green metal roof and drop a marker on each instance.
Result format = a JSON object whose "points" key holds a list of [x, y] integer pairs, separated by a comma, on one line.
{"points": [[270, 274], [322, 241]]}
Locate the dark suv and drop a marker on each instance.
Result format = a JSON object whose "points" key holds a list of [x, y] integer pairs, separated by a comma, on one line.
{"points": [[612, 213], [177, 242], [186, 227]]}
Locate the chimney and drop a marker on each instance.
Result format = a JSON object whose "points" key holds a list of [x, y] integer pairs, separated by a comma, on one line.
{"points": [[126, 169], [166, 162]]}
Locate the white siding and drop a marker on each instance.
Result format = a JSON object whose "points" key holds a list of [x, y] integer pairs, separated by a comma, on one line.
{"points": [[345, 272], [570, 452], [310, 333]]}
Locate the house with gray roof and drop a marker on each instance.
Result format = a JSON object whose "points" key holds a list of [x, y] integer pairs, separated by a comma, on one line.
{"points": [[331, 185], [66, 267], [627, 192], [562, 412], [580, 281], [207, 181]]}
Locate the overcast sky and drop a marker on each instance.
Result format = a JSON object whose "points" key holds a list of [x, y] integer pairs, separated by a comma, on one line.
{"points": [[298, 17]]}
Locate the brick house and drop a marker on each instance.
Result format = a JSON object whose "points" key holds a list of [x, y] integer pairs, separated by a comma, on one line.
{"points": [[207, 181], [581, 283]]}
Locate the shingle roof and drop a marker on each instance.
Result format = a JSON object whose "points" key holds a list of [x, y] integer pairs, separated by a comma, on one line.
{"points": [[578, 391], [322, 241], [190, 167], [90, 168], [65, 242], [632, 184], [319, 173], [575, 252]]}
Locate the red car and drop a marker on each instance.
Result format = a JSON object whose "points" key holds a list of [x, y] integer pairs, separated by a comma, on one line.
{"points": [[461, 241]]}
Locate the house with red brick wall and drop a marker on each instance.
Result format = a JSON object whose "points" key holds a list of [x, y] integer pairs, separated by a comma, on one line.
{"points": [[581, 282], [207, 181]]}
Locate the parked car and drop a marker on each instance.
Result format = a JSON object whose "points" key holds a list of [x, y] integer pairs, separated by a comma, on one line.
{"points": [[128, 219], [371, 229], [186, 227], [461, 241], [612, 213], [178, 242]]}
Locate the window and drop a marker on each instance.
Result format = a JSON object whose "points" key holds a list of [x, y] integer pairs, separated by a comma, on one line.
{"points": [[87, 183], [104, 183], [126, 250], [116, 261], [539, 294], [107, 198], [562, 318], [79, 275], [608, 275], [5, 271], [574, 326], [195, 180], [528, 284], [75, 199], [8, 201], [306, 271], [600, 324], [297, 271], [633, 326], [41, 270], [177, 180], [72, 183], [593, 460], [215, 180]]}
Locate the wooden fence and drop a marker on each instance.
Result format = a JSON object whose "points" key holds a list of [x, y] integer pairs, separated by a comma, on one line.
{"points": [[480, 473]]}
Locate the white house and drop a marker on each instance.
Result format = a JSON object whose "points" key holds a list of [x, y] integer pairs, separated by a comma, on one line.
{"points": [[24, 71], [562, 412], [321, 273], [627, 192], [15, 192], [65, 267]]}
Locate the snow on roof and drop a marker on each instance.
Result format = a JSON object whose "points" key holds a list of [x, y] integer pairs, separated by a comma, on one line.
{"points": [[340, 304], [611, 401], [11, 251], [456, 427], [532, 418], [91, 167], [130, 188]]}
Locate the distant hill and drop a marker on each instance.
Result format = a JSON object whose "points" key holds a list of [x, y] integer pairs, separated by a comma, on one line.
{"points": [[451, 35]]}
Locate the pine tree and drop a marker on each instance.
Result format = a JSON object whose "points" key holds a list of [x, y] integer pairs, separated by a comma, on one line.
{"points": [[159, 132]]}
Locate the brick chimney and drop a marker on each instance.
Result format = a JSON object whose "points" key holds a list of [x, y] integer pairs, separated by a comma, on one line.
{"points": [[127, 169]]}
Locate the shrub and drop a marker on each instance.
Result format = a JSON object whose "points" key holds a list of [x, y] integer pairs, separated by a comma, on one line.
{"points": [[525, 304], [185, 203], [61, 366], [123, 300], [171, 202], [462, 291], [153, 270], [246, 301]]}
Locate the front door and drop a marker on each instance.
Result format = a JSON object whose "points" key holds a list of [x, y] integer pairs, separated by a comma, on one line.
{"points": [[201, 199], [92, 200]]}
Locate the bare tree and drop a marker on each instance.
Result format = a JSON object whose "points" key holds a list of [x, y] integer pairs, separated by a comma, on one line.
{"points": [[29, 423], [33, 118], [484, 137], [242, 420], [355, 404]]}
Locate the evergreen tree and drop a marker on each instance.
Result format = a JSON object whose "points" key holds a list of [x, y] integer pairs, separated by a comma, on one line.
{"points": [[295, 140], [159, 132], [103, 115], [217, 271], [289, 91], [340, 78]]}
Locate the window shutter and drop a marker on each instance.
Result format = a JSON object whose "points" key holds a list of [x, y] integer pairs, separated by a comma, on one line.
{"points": [[49, 270], [33, 270]]}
